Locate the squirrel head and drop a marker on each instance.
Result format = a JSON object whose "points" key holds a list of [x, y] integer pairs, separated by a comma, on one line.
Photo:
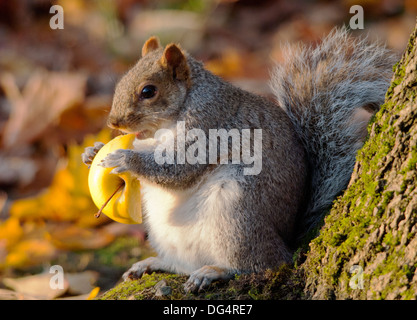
{"points": [[152, 92]]}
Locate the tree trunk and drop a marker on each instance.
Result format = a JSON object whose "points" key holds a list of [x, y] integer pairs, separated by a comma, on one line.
{"points": [[367, 248]]}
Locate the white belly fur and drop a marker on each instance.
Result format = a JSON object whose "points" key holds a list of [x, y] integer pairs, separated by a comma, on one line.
{"points": [[182, 224]]}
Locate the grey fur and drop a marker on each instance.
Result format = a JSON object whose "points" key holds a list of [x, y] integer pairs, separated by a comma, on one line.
{"points": [[321, 89]]}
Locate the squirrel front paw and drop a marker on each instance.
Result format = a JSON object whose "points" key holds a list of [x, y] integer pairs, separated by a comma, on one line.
{"points": [[121, 160], [148, 265], [136, 270], [90, 152]]}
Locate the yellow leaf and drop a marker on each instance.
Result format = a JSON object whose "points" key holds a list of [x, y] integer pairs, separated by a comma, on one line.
{"points": [[25, 208], [11, 231], [229, 65], [68, 198], [93, 293], [30, 252], [67, 202]]}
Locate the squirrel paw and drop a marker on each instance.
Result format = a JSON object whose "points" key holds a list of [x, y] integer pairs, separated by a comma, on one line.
{"points": [[121, 160], [145, 266], [203, 277], [90, 152]]}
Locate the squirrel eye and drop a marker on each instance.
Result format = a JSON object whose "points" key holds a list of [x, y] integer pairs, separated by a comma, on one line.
{"points": [[148, 92]]}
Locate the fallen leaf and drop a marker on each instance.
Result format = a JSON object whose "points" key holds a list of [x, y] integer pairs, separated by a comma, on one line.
{"points": [[16, 170], [37, 286], [93, 293], [78, 297], [6, 294], [228, 66], [72, 237], [68, 197], [176, 25], [11, 231], [81, 283], [38, 106], [29, 252]]}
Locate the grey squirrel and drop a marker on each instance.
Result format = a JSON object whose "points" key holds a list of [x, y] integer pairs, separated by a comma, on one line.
{"points": [[210, 221]]}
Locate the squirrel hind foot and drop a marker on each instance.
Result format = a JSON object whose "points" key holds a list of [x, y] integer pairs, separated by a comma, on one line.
{"points": [[201, 278]]}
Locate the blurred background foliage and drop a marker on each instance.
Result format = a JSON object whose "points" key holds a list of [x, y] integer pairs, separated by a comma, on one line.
{"points": [[56, 89]]}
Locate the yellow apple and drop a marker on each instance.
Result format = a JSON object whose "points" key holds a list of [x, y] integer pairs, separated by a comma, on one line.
{"points": [[117, 195]]}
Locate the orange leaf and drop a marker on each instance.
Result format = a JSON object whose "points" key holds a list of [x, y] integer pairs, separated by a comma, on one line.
{"points": [[29, 252], [93, 293], [11, 231], [72, 237]]}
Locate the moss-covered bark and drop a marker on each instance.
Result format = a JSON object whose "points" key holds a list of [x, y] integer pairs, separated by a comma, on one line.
{"points": [[283, 283], [371, 226]]}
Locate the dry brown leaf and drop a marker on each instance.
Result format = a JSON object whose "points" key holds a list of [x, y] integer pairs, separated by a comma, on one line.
{"points": [[37, 286], [78, 297], [82, 282], [72, 237], [38, 106], [3, 200], [6, 294], [87, 296], [175, 25]]}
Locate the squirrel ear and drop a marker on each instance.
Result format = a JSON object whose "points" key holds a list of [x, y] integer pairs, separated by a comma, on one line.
{"points": [[175, 60], [151, 44]]}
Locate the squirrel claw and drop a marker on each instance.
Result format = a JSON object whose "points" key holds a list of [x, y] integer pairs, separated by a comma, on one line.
{"points": [[145, 266], [202, 278], [90, 152], [119, 160], [118, 170]]}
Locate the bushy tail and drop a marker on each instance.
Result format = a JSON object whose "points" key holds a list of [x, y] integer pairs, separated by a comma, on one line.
{"points": [[330, 92]]}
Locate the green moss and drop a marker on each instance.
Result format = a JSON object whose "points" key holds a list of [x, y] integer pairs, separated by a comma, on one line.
{"points": [[283, 283], [399, 74], [254, 294], [408, 294], [412, 161], [386, 198], [390, 240], [399, 277], [143, 288]]}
